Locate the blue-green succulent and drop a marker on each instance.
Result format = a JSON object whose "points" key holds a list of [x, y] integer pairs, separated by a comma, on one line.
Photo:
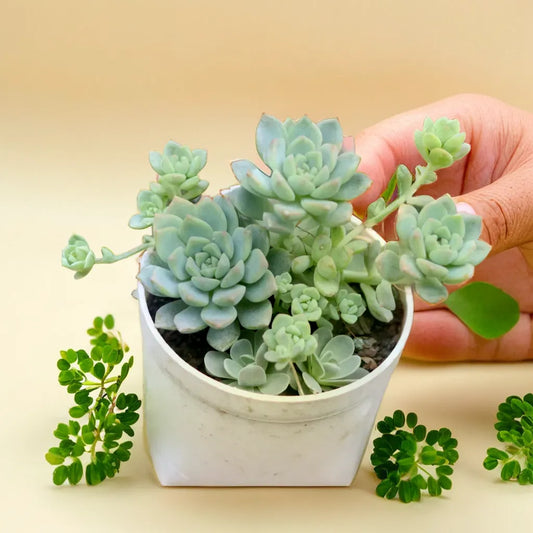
{"points": [[178, 168], [149, 204], [245, 367], [333, 362], [215, 269], [78, 256], [436, 246], [311, 175], [441, 142], [289, 340]]}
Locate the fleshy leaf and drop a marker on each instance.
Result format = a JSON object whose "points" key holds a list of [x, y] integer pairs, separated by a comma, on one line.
{"points": [[212, 214], [276, 383], [331, 132], [164, 317], [254, 315], [228, 297], [159, 281], [255, 266], [223, 339], [214, 364], [262, 289], [252, 376], [218, 317], [189, 320], [268, 129], [193, 296], [431, 290], [353, 188]]}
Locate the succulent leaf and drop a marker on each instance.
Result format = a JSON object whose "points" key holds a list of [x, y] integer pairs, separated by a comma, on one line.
{"points": [[268, 129]]}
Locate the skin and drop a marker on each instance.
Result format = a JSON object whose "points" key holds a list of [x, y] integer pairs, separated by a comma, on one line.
{"points": [[495, 180]]}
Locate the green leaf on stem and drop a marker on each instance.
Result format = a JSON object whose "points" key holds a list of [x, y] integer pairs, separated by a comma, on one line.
{"points": [[107, 413]]}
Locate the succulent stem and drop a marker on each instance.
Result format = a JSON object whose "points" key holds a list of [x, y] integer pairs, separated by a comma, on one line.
{"points": [[296, 377], [109, 257], [419, 181]]}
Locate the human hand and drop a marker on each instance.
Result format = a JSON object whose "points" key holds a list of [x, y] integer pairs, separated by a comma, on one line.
{"points": [[495, 180]]}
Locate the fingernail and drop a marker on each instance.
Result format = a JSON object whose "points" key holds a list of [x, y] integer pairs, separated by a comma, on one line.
{"points": [[463, 207]]}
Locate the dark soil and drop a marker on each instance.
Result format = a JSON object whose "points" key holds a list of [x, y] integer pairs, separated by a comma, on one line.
{"points": [[374, 347]]}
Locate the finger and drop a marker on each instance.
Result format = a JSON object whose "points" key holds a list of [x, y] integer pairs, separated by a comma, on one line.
{"points": [[505, 207], [440, 336]]}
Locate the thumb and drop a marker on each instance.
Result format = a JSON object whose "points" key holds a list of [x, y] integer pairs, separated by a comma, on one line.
{"points": [[506, 207]]}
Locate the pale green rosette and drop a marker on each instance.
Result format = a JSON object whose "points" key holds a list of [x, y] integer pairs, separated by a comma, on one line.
{"points": [[436, 246], [216, 271]]}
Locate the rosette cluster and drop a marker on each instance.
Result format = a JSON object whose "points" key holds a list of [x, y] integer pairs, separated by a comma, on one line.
{"points": [[333, 362], [215, 271], [441, 142], [78, 256], [436, 246], [247, 368], [177, 169], [268, 362], [311, 174]]}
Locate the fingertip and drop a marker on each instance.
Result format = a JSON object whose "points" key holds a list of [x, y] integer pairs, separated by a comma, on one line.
{"points": [[438, 335], [463, 207]]}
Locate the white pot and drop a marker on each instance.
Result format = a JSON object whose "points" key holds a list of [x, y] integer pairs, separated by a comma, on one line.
{"points": [[202, 432]]}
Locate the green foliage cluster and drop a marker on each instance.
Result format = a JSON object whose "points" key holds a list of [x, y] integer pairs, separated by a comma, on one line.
{"points": [[102, 417], [515, 431], [409, 459], [281, 255]]}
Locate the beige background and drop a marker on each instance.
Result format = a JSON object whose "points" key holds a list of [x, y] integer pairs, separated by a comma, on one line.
{"points": [[86, 90]]}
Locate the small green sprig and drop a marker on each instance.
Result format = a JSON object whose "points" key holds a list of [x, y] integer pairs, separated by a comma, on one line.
{"points": [[108, 415], [515, 431], [409, 462]]}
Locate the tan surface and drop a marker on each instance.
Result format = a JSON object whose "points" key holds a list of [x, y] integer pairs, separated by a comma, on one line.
{"points": [[86, 90]]}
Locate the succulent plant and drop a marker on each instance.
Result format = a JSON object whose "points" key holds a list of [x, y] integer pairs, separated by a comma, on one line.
{"points": [[217, 270], [78, 256], [149, 204], [306, 302], [332, 364], [311, 174], [441, 142], [178, 168], [436, 246], [246, 367], [276, 272], [288, 341], [350, 305]]}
